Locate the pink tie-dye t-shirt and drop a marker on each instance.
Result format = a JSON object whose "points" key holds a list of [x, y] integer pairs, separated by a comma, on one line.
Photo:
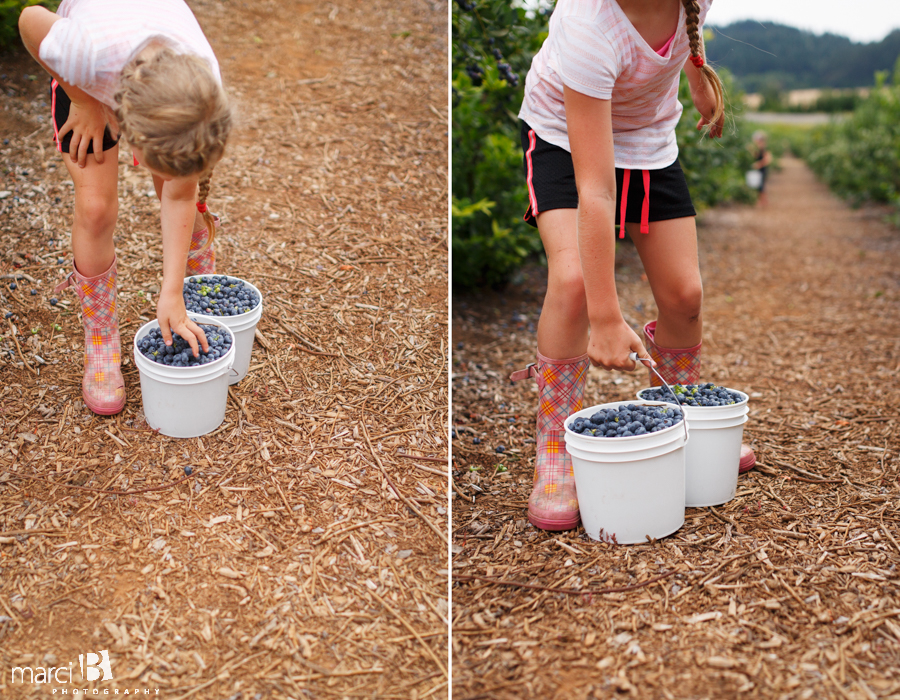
{"points": [[594, 49]]}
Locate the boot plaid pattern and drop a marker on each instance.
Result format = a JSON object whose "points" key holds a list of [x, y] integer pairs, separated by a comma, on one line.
{"points": [[553, 504], [102, 387], [677, 366], [201, 262]]}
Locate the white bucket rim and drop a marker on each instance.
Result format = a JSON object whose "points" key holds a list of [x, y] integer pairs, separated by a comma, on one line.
{"points": [[241, 321], [661, 437], [187, 375]]}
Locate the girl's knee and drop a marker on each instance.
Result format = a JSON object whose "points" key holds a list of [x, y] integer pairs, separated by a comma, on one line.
{"points": [[97, 215], [567, 286], [685, 301]]}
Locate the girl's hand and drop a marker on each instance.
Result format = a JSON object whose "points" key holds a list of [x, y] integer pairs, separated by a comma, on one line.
{"points": [[715, 130], [172, 316], [610, 345], [87, 122]]}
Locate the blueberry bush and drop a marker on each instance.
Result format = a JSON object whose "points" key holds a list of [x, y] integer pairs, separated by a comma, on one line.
{"points": [[9, 20], [493, 44], [714, 168], [859, 156]]}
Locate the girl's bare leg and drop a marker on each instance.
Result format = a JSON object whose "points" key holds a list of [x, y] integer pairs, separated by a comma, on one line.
{"points": [[96, 210], [669, 254], [563, 327]]}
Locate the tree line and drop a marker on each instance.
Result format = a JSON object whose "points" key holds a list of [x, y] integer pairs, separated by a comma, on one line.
{"points": [[774, 57]]}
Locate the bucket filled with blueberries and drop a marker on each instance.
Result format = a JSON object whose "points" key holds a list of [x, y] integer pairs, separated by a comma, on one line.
{"points": [[629, 464], [716, 416], [184, 396], [234, 302]]}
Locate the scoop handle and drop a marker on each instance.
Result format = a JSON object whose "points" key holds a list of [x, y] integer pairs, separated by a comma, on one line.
{"points": [[647, 360]]}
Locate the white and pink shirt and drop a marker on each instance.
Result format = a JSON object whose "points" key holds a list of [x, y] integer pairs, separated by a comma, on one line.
{"points": [[595, 50], [96, 39]]}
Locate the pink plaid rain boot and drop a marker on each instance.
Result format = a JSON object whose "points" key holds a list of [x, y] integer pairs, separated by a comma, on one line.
{"points": [[202, 262], [682, 366], [677, 366], [553, 504], [103, 387]]}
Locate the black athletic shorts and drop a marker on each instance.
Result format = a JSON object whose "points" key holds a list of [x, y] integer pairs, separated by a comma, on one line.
{"points": [[59, 110], [551, 185]]}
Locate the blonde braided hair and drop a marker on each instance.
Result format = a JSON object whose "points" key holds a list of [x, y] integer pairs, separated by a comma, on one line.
{"points": [[172, 107], [203, 192], [698, 56]]}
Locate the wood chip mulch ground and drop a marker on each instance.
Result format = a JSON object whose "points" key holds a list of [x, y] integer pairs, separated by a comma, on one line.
{"points": [[790, 590], [306, 556]]}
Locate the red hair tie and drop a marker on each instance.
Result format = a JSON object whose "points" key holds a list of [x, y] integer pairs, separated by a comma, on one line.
{"points": [[201, 207], [697, 61]]}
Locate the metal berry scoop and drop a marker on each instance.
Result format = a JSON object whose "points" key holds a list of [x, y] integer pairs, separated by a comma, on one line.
{"points": [[648, 362]]}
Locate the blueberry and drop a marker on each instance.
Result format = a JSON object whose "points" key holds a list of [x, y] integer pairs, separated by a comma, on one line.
{"points": [[13, 286], [216, 295], [476, 441], [626, 421], [188, 471], [33, 292], [500, 448], [60, 261], [179, 354]]}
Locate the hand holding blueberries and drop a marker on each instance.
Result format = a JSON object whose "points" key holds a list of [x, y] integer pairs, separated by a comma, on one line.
{"points": [[172, 316], [178, 353]]}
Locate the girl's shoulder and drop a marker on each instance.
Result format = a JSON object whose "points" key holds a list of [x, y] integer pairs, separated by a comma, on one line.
{"points": [[588, 10], [587, 22]]}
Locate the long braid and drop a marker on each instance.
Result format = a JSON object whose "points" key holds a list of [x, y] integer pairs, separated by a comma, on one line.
{"points": [[707, 74], [207, 216]]}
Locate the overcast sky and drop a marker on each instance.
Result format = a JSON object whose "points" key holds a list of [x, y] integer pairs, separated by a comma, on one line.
{"points": [[862, 20]]}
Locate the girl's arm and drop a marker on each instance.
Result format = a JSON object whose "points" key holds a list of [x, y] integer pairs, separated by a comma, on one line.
{"points": [[704, 100], [177, 210], [589, 124], [87, 116]]}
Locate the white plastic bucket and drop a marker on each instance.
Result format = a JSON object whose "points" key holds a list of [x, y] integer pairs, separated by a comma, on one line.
{"points": [[754, 179], [184, 402], [242, 327], [712, 458], [629, 488]]}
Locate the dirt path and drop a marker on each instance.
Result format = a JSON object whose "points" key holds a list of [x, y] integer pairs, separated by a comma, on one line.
{"points": [[287, 566], [788, 591]]}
